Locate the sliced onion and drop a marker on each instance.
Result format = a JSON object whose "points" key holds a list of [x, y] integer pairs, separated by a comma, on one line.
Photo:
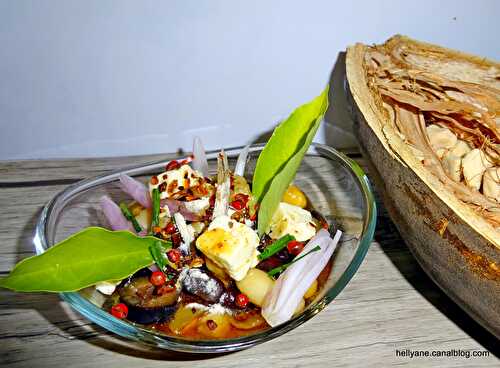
{"points": [[136, 190], [239, 169], [186, 236], [175, 206], [114, 215], [154, 268], [288, 291], [200, 162]]}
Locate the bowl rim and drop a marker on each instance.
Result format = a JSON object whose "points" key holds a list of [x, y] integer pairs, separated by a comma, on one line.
{"points": [[158, 339]]}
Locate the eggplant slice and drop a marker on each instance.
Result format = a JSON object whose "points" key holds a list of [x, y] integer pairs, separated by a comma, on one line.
{"points": [[144, 306]]}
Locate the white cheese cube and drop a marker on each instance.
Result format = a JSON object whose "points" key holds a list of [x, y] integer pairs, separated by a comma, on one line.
{"points": [[230, 245], [293, 220]]}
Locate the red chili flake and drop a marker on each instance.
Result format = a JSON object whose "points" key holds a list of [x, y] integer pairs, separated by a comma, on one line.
{"points": [[162, 187], [242, 197], [154, 180], [237, 205], [172, 186], [187, 160], [119, 310], [172, 165], [253, 217], [176, 239]]}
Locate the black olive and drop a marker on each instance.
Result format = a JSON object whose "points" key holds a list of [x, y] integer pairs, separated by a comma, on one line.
{"points": [[203, 285]]}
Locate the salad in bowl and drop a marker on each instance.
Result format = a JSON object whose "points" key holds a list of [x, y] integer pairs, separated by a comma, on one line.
{"points": [[198, 255]]}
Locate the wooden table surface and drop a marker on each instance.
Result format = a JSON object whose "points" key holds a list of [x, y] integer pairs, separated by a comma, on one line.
{"points": [[389, 305]]}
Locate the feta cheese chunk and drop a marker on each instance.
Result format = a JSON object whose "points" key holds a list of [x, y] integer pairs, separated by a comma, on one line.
{"points": [[106, 287], [198, 206], [230, 245], [293, 220], [174, 181]]}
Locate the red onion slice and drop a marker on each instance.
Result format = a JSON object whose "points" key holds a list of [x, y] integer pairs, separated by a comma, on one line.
{"points": [[285, 296], [114, 215], [199, 162], [136, 190]]}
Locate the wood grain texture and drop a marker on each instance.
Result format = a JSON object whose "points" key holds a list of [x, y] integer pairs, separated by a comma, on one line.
{"points": [[390, 304]]}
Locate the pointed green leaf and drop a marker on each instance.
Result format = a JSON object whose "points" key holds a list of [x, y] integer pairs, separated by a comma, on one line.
{"points": [[87, 257], [280, 159]]}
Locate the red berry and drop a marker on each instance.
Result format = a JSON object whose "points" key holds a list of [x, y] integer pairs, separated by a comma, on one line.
{"points": [[242, 300], [119, 310], [170, 228], [172, 165], [174, 255], [158, 278], [294, 247], [237, 205]]}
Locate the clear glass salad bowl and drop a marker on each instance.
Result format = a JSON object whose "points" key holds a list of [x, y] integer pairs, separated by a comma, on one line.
{"points": [[335, 185]]}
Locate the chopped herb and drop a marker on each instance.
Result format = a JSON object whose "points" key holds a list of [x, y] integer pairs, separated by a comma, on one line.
{"points": [[128, 215], [158, 252], [276, 247], [282, 268], [155, 220]]}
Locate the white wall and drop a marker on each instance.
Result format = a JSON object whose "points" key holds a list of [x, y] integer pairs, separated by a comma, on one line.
{"points": [[96, 78]]}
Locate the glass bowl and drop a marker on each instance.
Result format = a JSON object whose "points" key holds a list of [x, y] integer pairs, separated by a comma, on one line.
{"points": [[335, 185]]}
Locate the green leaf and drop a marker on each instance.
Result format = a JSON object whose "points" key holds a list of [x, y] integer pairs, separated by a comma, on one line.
{"points": [[84, 259], [280, 159]]}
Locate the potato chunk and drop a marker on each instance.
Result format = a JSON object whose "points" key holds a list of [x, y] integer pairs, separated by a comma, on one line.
{"points": [[255, 285]]}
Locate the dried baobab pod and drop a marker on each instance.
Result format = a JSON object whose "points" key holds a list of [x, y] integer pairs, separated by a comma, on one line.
{"points": [[460, 149], [491, 183], [441, 138], [474, 164], [423, 115], [453, 166]]}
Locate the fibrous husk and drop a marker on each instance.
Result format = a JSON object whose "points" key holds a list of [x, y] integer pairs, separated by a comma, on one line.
{"points": [[397, 90], [448, 111]]}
